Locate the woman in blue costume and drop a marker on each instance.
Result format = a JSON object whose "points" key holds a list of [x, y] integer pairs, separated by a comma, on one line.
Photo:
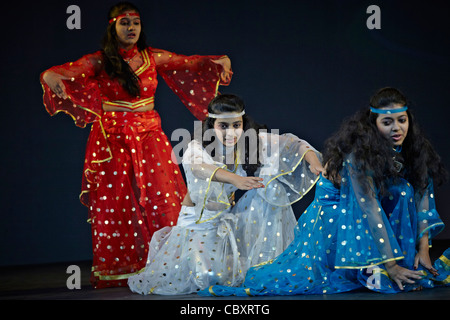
{"points": [[373, 217]]}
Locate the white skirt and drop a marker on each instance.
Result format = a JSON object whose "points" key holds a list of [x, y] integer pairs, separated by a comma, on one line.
{"points": [[263, 231], [191, 257]]}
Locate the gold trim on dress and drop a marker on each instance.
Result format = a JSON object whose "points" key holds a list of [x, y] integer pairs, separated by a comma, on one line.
{"points": [[130, 105], [445, 260], [430, 227], [207, 191], [370, 265], [99, 120], [145, 65], [288, 172], [206, 195], [263, 263], [116, 277], [211, 291]]}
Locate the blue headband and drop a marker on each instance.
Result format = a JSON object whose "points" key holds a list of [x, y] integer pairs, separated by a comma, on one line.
{"points": [[388, 111]]}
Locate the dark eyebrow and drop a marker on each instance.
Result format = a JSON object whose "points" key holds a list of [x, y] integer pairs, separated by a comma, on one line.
{"points": [[390, 117], [239, 121], [128, 19]]}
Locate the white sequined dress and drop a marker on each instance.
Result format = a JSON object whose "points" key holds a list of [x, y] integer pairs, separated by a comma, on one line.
{"points": [[215, 242]]}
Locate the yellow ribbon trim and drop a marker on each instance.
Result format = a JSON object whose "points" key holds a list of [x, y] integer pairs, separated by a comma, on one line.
{"points": [[130, 105], [206, 194], [95, 161], [430, 227], [207, 191], [116, 277], [288, 172], [146, 63], [445, 260], [370, 265], [211, 291]]}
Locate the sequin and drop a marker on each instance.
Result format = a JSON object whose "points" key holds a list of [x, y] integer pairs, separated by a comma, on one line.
{"points": [[221, 240], [348, 252]]}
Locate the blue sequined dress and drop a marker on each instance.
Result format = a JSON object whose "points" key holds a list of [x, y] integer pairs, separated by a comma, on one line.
{"points": [[344, 238]]}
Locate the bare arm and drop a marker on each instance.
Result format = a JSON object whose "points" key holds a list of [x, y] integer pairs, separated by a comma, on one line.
{"points": [[242, 183]]}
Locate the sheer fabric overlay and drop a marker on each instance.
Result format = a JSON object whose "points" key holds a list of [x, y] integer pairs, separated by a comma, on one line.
{"points": [[343, 239], [130, 184], [215, 242]]}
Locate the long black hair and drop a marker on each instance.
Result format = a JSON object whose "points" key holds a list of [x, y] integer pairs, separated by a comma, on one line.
{"points": [[224, 103], [114, 64], [373, 153]]}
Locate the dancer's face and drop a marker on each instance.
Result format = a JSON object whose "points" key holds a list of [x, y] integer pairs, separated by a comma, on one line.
{"points": [[128, 30], [229, 130], [394, 126]]}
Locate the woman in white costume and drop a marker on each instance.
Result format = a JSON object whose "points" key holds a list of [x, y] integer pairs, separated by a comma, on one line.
{"points": [[215, 240]]}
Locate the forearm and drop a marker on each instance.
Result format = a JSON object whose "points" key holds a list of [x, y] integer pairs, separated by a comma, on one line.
{"points": [[215, 173], [242, 183], [224, 176], [312, 158], [423, 243]]}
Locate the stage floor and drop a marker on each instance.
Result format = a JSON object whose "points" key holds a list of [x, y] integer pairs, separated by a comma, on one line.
{"points": [[48, 282]]}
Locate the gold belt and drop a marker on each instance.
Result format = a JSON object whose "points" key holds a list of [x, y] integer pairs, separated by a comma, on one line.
{"points": [[130, 105]]}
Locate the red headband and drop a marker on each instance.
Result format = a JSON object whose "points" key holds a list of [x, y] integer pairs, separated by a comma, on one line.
{"points": [[131, 14]]}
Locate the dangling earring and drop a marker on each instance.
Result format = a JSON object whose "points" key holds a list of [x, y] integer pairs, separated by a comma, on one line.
{"points": [[397, 149], [397, 164]]}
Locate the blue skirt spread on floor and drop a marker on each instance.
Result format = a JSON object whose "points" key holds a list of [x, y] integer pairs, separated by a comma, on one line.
{"points": [[344, 238]]}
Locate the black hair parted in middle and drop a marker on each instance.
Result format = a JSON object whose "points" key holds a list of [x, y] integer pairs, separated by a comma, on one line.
{"points": [[115, 66], [373, 153], [230, 103]]}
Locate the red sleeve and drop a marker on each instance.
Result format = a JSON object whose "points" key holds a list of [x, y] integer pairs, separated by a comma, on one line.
{"points": [[84, 103], [194, 79]]}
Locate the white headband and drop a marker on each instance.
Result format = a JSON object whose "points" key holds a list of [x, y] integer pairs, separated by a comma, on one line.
{"points": [[225, 115]]}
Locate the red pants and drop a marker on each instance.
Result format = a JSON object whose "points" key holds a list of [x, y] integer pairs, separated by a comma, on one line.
{"points": [[132, 188]]}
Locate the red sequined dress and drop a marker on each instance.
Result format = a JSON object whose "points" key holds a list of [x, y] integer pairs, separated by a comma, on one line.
{"points": [[130, 184]]}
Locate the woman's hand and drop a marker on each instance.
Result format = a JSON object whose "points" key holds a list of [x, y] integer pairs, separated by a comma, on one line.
{"points": [[54, 81], [246, 183], [315, 166], [401, 275], [240, 182], [423, 256], [225, 75], [424, 259], [317, 169]]}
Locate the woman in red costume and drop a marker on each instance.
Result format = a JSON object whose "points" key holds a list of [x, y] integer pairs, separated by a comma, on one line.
{"points": [[130, 184]]}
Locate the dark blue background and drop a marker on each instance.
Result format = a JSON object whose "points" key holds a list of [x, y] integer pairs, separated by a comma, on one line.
{"points": [[301, 66]]}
